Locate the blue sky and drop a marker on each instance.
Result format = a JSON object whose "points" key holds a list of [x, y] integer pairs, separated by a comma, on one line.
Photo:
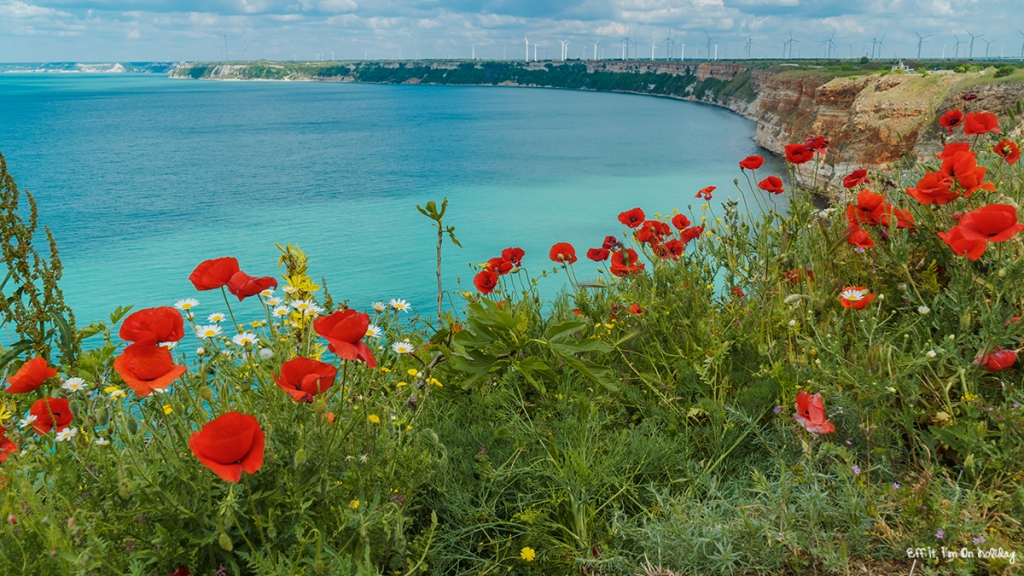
{"points": [[142, 30]]}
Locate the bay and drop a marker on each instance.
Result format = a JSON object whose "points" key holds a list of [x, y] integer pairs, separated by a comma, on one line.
{"points": [[141, 177]]}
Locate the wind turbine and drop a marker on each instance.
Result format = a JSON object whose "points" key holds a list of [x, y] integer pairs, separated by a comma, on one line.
{"points": [[473, 57], [987, 44], [956, 48], [682, 52], [973, 37], [527, 48], [789, 44], [920, 40], [746, 47], [707, 55], [1021, 46], [881, 44], [565, 47], [829, 45], [625, 46], [654, 46], [669, 43]]}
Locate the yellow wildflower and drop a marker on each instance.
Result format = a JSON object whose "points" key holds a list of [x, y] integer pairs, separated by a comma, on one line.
{"points": [[528, 554], [400, 384], [374, 418], [168, 409], [354, 504], [385, 369]]}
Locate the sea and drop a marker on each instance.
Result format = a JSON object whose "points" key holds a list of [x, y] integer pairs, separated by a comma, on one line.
{"points": [[141, 177]]}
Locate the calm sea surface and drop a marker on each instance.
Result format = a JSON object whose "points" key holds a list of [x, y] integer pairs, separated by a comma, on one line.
{"points": [[141, 177]]}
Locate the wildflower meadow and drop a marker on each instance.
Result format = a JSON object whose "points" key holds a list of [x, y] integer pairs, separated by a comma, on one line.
{"points": [[722, 387]]}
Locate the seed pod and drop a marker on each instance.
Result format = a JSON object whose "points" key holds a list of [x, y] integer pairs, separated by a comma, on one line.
{"points": [[300, 457], [126, 488], [224, 541], [133, 426], [320, 406], [102, 416], [272, 533], [206, 393]]}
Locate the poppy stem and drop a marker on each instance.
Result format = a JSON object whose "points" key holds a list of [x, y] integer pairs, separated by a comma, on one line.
{"points": [[270, 322], [230, 312]]}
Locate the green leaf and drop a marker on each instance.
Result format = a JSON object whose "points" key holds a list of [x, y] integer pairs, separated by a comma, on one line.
{"points": [[67, 335], [119, 313], [91, 330], [598, 374], [536, 371], [13, 352]]}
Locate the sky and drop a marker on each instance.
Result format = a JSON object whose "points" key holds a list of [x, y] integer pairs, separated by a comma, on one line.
{"points": [[189, 30]]}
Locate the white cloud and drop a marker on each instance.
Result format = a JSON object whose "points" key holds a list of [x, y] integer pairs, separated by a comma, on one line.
{"points": [[17, 9]]}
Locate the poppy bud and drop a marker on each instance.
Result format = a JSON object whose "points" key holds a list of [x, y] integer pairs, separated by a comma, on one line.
{"points": [[272, 532], [133, 426], [320, 406], [736, 181], [1002, 273], [126, 488], [244, 386], [206, 393], [224, 541], [300, 457]]}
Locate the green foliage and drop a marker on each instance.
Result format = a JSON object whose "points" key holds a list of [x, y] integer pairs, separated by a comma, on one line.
{"points": [[1004, 71]]}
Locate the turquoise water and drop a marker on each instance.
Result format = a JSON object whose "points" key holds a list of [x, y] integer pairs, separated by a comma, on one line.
{"points": [[141, 177]]}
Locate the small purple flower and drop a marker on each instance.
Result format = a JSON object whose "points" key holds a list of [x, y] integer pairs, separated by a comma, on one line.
{"points": [[895, 485], [856, 469], [778, 409], [990, 408], [940, 534], [222, 571], [1016, 405], [859, 250], [848, 443], [979, 540]]}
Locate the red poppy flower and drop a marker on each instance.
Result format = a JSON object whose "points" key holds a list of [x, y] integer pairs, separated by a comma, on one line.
{"points": [[994, 223], [817, 144], [963, 166], [486, 281], [675, 247], [635, 310], [242, 285], [652, 231], [855, 236], [997, 360], [933, 188], [738, 292], [213, 274], [632, 218], [51, 413], [981, 123], [229, 444], [513, 255], [904, 219], [951, 120], [153, 325], [855, 297], [691, 233], [30, 376], [680, 221], [6, 445], [705, 192], [303, 378], [1008, 150], [961, 246], [952, 149], [855, 178], [798, 154], [610, 243], [147, 367], [771, 184], [624, 263], [564, 253], [871, 209], [577, 311], [181, 571], [752, 162], [500, 265], [598, 254], [344, 331], [810, 413]]}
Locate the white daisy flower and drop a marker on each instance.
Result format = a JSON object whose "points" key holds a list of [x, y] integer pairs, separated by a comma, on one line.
{"points": [[267, 293], [74, 384], [379, 307], [931, 354], [313, 311], [303, 305], [226, 352], [400, 305], [281, 311], [168, 345], [186, 304], [244, 339], [266, 353], [67, 434], [27, 421], [273, 302], [117, 394], [403, 348], [792, 322], [102, 442], [216, 317], [374, 331], [853, 295], [289, 289], [923, 310], [209, 331]]}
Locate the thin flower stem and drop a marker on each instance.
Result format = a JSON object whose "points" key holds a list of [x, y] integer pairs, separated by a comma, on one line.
{"points": [[230, 312]]}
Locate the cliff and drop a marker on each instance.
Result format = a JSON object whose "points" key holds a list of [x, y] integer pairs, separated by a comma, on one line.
{"points": [[873, 120]]}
